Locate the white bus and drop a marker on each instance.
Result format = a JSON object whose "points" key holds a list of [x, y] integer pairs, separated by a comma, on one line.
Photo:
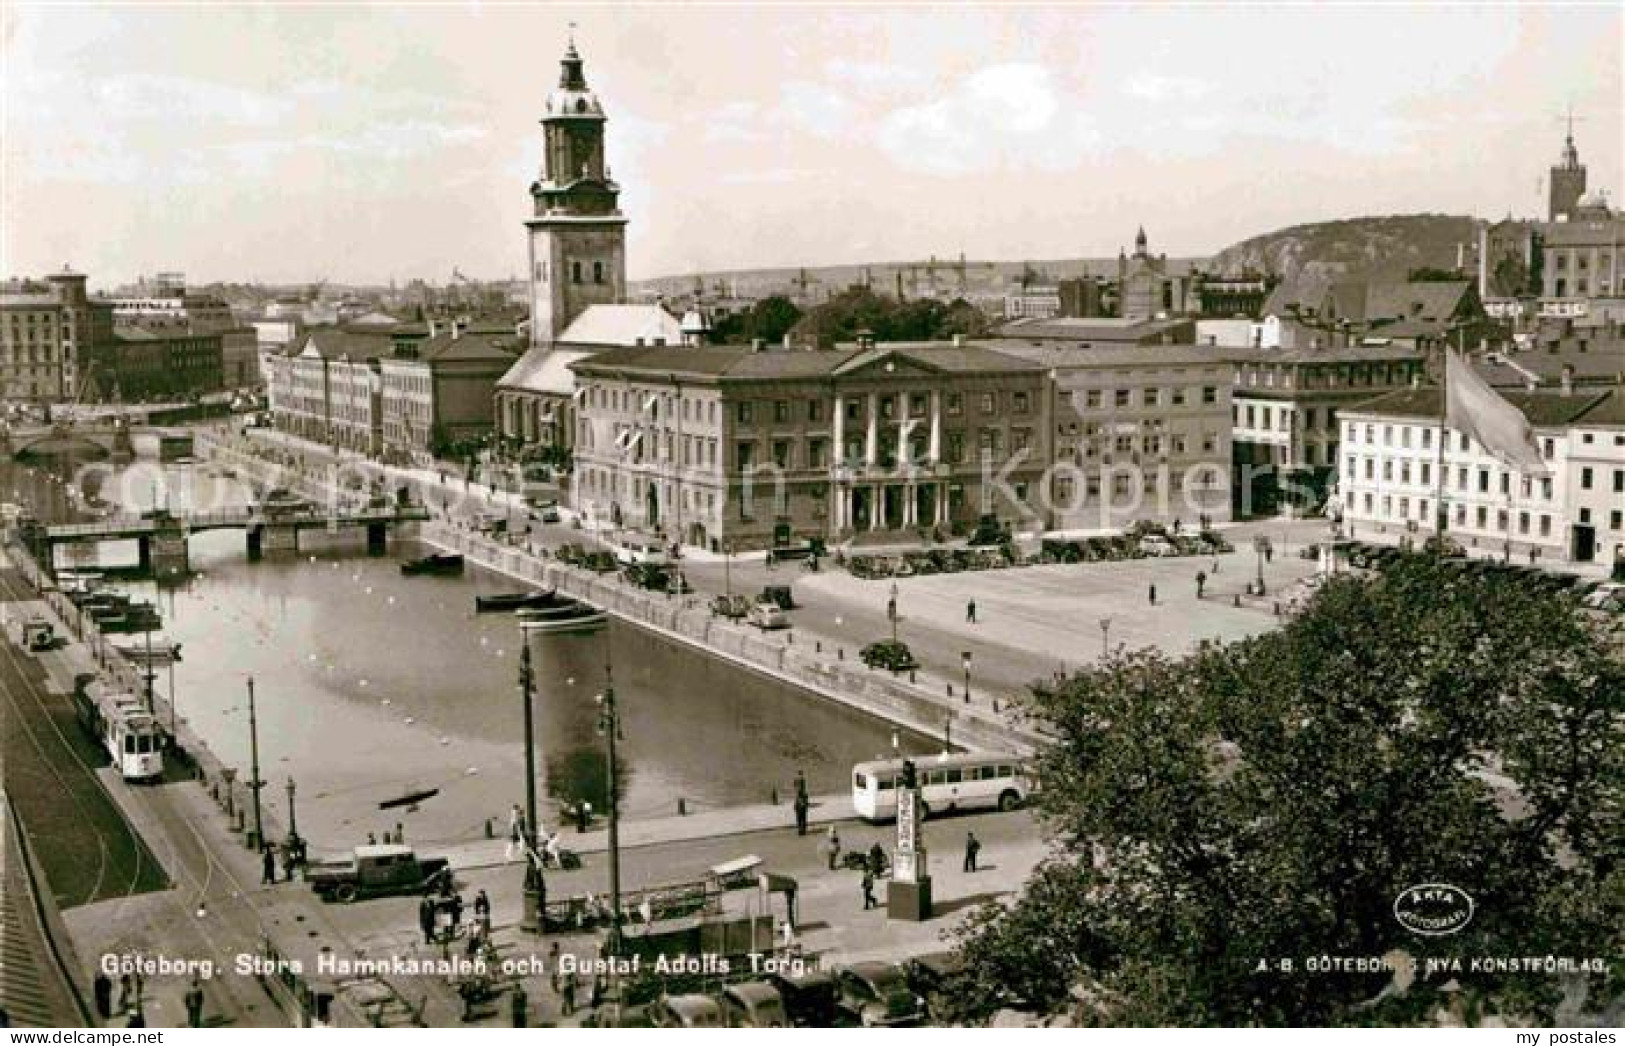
{"points": [[949, 782]]}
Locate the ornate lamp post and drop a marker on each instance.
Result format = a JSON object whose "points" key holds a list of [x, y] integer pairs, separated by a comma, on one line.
{"points": [[1105, 636], [254, 783], [891, 612], [532, 921], [296, 845]]}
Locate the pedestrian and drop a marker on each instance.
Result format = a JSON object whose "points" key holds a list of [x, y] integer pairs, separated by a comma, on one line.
{"points": [[103, 988], [1215, 564], [832, 847], [1176, 527], [426, 919], [482, 909], [973, 846], [583, 815], [400, 833], [1201, 583], [877, 859], [970, 612], [553, 967], [194, 1005], [518, 1005], [802, 805], [1153, 595], [801, 784], [445, 883], [126, 993], [456, 912], [290, 860], [869, 890], [1269, 552], [268, 864], [567, 994], [516, 833]]}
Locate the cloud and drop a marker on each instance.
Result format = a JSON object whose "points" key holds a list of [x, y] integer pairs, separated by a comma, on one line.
{"points": [[1003, 115], [1154, 87], [815, 108]]}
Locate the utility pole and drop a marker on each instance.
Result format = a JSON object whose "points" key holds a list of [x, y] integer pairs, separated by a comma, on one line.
{"points": [[532, 920], [609, 721], [255, 784]]}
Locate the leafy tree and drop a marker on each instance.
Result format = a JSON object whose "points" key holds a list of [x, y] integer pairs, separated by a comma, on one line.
{"points": [[859, 309], [771, 319], [1267, 801]]}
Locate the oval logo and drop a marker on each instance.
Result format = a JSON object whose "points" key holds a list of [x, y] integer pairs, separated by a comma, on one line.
{"points": [[1433, 909]]}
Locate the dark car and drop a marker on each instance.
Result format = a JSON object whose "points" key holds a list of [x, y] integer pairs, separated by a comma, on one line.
{"points": [[877, 995], [779, 594], [810, 999], [892, 655], [734, 607], [932, 977]]}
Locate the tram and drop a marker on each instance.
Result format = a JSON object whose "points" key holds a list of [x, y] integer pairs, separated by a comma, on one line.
{"points": [[120, 724]]}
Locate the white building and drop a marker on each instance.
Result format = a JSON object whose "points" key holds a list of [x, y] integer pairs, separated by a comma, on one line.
{"points": [[1394, 475]]}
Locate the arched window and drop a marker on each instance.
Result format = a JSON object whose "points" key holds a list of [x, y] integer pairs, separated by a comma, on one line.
{"points": [[575, 271], [598, 272]]}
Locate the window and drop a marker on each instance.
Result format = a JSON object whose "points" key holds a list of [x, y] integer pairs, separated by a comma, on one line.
{"points": [[1585, 478], [1092, 398], [990, 402], [1616, 520], [744, 413], [956, 404], [1545, 526], [1483, 481], [598, 272], [1020, 403], [815, 454], [1121, 397], [956, 448], [1151, 397], [815, 410], [781, 411], [575, 272], [781, 453], [1179, 397], [747, 455]]}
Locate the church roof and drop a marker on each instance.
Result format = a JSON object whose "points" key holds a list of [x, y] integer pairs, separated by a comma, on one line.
{"points": [[606, 326], [544, 370]]}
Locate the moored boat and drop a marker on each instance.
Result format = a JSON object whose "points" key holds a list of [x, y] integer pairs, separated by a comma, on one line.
{"points": [[164, 650], [569, 616], [438, 565], [507, 602]]}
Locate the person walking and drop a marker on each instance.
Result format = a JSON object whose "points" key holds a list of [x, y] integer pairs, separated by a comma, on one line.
{"points": [[426, 918], [970, 612], [290, 861], [1215, 564], [103, 989], [518, 1005], [802, 805], [516, 832], [456, 912], [832, 847], [194, 1005], [877, 859], [553, 967], [801, 785], [973, 846], [567, 994], [869, 890], [1201, 583], [482, 909], [1153, 595], [268, 865]]}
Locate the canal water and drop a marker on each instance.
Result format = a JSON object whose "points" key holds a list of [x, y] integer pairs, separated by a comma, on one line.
{"points": [[370, 686]]}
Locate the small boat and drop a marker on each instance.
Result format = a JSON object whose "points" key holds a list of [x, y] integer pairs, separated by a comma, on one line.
{"points": [[440, 565], [569, 618], [164, 651], [409, 799], [507, 602]]}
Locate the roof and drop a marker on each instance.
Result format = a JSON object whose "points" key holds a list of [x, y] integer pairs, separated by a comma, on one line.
{"points": [[1053, 355], [1093, 328], [746, 364], [617, 325], [1411, 300], [1306, 293], [1345, 354], [382, 850], [374, 319], [1583, 233], [471, 345], [1547, 367], [1543, 409], [544, 370], [333, 343]]}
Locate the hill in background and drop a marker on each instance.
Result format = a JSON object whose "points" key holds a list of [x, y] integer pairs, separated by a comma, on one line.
{"points": [[1378, 247]]}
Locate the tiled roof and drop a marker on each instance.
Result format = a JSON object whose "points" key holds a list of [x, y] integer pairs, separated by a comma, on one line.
{"points": [[621, 325], [335, 342], [746, 364], [544, 370], [1584, 233], [1543, 409], [1091, 328], [1589, 368], [1062, 355], [471, 344], [1348, 354]]}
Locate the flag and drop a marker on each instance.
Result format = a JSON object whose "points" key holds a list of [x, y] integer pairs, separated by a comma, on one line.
{"points": [[1472, 407]]}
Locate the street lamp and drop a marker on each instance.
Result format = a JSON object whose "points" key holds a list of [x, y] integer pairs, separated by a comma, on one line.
{"points": [[891, 612], [964, 660], [609, 722], [1260, 543], [533, 919], [1105, 635], [255, 784], [295, 845]]}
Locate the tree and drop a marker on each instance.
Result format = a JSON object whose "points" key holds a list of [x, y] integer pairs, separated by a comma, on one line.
{"points": [[1267, 802], [770, 319], [858, 309]]}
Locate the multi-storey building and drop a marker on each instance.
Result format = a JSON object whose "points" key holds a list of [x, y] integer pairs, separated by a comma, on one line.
{"points": [[438, 391], [1139, 433], [1400, 464], [142, 364], [1032, 299], [47, 331], [1582, 258], [1285, 408], [328, 388], [752, 447]]}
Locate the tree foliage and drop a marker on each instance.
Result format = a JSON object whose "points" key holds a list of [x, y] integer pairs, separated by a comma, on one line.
{"points": [[859, 309], [771, 319], [1268, 801]]}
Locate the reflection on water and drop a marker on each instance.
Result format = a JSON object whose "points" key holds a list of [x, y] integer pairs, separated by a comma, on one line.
{"points": [[370, 686]]}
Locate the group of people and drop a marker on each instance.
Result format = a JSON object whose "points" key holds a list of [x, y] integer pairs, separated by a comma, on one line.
{"points": [[292, 853], [440, 916]]}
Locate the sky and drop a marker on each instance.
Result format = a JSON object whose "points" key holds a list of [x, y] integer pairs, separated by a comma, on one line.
{"points": [[281, 142]]}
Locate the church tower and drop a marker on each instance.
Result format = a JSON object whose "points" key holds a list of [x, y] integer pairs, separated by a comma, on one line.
{"points": [[577, 234], [1568, 180]]}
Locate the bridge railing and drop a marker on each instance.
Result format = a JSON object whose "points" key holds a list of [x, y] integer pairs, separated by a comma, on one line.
{"points": [[235, 518]]}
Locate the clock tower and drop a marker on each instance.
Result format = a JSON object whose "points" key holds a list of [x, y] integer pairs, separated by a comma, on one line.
{"points": [[577, 232]]}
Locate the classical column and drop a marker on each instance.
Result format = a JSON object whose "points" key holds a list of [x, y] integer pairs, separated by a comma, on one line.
{"points": [[871, 447], [911, 507], [877, 494], [936, 426], [942, 503], [839, 430]]}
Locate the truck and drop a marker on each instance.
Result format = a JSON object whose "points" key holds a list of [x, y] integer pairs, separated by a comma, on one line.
{"points": [[376, 870]]}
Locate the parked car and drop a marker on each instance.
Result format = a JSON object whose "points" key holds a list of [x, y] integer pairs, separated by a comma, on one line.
{"points": [[732, 607], [768, 615], [893, 656], [931, 977], [779, 595], [810, 998], [635, 551], [877, 995], [374, 871], [1157, 545], [685, 1011], [754, 1004]]}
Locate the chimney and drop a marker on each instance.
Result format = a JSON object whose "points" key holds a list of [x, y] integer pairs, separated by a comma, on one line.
{"points": [[959, 341], [1568, 379], [758, 344], [789, 343]]}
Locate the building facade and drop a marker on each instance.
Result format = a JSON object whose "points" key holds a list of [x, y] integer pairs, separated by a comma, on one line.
{"points": [[48, 329], [1395, 475], [1139, 433], [437, 393], [1286, 406], [141, 364], [749, 447], [577, 234]]}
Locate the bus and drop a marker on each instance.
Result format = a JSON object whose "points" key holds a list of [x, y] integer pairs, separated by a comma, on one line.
{"points": [[965, 781]]}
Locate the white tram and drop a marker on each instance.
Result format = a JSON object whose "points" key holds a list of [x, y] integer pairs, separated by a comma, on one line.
{"points": [[121, 724]]}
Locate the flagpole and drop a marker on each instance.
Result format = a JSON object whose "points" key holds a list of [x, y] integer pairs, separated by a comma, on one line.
{"points": [[1442, 517]]}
